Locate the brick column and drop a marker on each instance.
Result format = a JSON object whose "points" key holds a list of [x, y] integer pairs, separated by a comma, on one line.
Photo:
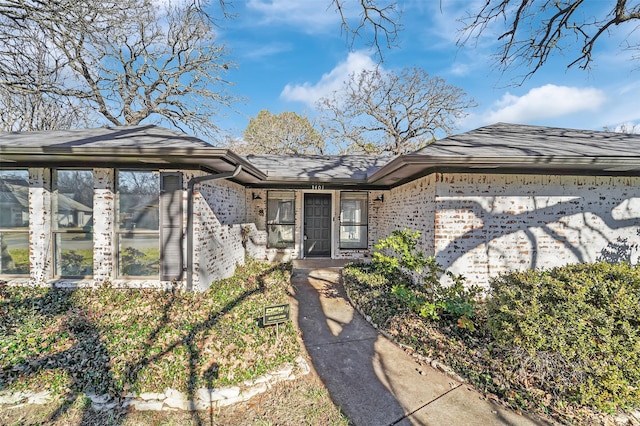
{"points": [[40, 221], [104, 223]]}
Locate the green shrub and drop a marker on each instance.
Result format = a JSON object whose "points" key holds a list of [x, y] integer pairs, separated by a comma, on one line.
{"points": [[572, 331], [425, 294]]}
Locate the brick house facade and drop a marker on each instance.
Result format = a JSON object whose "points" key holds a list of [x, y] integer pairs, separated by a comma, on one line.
{"points": [[144, 206]]}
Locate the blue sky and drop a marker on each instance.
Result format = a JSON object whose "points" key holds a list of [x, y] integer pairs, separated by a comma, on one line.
{"points": [[289, 53]]}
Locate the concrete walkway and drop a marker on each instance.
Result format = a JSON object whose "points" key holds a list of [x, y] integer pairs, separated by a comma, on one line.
{"points": [[372, 380]]}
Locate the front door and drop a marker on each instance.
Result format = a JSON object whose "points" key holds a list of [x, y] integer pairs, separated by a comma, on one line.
{"points": [[317, 225]]}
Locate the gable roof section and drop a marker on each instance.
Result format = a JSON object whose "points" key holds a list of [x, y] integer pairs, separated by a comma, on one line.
{"points": [[285, 169], [130, 146], [519, 148], [502, 148], [124, 137]]}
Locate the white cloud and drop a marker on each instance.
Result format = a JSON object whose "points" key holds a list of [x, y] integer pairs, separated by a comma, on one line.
{"points": [[460, 69], [263, 51], [545, 102], [311, 16], [330, 82]]}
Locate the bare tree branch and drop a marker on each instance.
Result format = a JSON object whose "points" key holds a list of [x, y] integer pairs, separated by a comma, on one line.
{"points": [[382, 19], [382, 112], [127, 59], [535, 30]]}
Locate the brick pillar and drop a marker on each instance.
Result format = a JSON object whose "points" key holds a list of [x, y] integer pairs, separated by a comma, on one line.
{"points": [[104, 223], [40, 221]]}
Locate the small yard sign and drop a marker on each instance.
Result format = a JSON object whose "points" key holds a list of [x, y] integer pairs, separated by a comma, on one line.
{"points": [[275, 314]]}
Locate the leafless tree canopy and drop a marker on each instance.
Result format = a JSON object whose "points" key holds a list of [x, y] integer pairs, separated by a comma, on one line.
{"points": [[535, 30], [28, 110], [532, 30], [285, 133], [383, 112], [378, 20], [129, 60]]}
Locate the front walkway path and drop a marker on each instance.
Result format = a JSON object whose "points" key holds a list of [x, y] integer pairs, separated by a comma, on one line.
{"points": [[372, 380]]}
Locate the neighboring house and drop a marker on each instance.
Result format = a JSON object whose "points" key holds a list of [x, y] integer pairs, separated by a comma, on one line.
{"points": [[169, 208]]}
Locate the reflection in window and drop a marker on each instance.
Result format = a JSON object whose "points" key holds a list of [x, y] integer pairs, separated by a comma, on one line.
{"points": [[280, 219], [138, 223], [73, 222], [14, 222], [353, 220]]}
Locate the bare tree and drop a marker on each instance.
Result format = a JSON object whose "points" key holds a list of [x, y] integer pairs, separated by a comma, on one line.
{"points": [[532, 31], [129, 60], [383, 112], [21, 112], [30, 110], [535, 30], [284, 133], [379, 18]]}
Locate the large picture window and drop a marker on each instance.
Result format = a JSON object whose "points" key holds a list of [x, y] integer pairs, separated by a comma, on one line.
{"points": [[73, 223], [280, 219], [14, 222], [138, 223], [353, 220]]}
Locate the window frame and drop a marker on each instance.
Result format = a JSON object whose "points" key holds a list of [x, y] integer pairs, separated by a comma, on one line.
{"points": [[20, 231], [77, 233], [359, 223], [122, 232], [289, 223]]}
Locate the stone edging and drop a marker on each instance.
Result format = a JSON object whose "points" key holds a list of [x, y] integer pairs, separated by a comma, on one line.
{"points": [[408, 349], [621, 419], [171, 399]]}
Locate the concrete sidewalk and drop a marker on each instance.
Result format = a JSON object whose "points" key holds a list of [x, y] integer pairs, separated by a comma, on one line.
{"points": [[372, 380]]}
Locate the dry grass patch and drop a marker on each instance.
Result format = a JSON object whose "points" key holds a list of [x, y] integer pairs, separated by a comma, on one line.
{"points": [[74, 342]]}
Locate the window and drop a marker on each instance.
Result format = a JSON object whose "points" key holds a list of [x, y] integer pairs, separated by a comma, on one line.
{"points": [[138, 223], [353, 220], [280, 219], [73, 223], [14, 222]]}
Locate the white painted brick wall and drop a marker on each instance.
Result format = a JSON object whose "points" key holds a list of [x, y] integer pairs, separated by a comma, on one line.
{"points": [[219, 212], [40, 244], [489, 224], [104, 223], [481, 225], [476, 224], [411, 206]]}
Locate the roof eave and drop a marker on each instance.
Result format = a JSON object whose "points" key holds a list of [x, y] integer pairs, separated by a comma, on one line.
{"points": [[219, 159], [405, 166]]}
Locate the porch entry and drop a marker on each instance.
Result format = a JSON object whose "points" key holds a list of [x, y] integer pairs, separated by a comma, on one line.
{"points": [[317, 225]]}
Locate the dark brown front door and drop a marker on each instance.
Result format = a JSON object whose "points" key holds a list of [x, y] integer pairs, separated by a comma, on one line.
{"points": [[317, 225]]}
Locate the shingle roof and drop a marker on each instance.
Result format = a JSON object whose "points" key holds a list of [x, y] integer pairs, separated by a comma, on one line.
{"points": [[517, 140], [148, 145], [317, 167], [518, 148], [104, 137], [502, 147]]}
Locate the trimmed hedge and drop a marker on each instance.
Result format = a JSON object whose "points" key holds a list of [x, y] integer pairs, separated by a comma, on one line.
{"points": [[571, 331]]}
